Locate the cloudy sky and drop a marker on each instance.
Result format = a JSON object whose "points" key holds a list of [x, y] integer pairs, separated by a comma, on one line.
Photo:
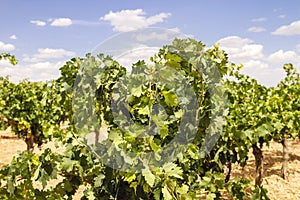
{"points": [[263, 35]]}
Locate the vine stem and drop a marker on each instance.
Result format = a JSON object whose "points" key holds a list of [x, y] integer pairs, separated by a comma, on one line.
{"points": [[258, 154], [285, 158]]}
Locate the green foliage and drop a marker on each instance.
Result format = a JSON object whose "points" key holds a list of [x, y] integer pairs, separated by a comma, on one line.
{"points": [[284, 105], [12, 59], [260, 193], [249, 121], [133, 162], [144, 92], [17, 178], [32, 109]]}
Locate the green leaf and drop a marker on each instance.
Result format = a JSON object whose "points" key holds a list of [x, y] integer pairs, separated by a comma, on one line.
{"points": [[37, 173], [211, 196], [149, 177], [130, 178], [183, 189], [89, 194], [170, 98], [164, 132], [35, 160], [134, 185], [138, 91], [166, 193], [171, 169], [178, 114], [44, 177], [156, 194], [99, 180], [67, 164], [10, 185], [153, 145], [144, 111]]}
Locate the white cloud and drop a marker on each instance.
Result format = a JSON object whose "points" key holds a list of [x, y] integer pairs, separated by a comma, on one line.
{"points": [[5, 63], [256, 29], [38, 22], [130, 20], [165, 35], [62, 22], [261, 19], [86, 23], [263, 73], [34, 72], [281, 16], [13, 37], [281, 57], [241, 49], [139, 53], [234, 41], [48, 53], [69, 22], [6, 47], [151, 36], [291, 29], [267, 69]]}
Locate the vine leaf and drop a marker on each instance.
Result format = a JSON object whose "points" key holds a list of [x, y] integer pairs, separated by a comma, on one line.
{"points": [[149, 177], [166, 193], [170, 98], [99, 180]]}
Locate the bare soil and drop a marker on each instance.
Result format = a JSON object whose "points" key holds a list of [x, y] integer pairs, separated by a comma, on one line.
{"points": [[278, 188]]}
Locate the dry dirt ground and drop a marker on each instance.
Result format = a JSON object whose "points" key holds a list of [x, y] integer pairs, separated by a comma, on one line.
{"points": [[278, 189]]}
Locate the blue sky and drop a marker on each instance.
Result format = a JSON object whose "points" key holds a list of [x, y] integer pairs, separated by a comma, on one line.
{"points": [[263, 35]]}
